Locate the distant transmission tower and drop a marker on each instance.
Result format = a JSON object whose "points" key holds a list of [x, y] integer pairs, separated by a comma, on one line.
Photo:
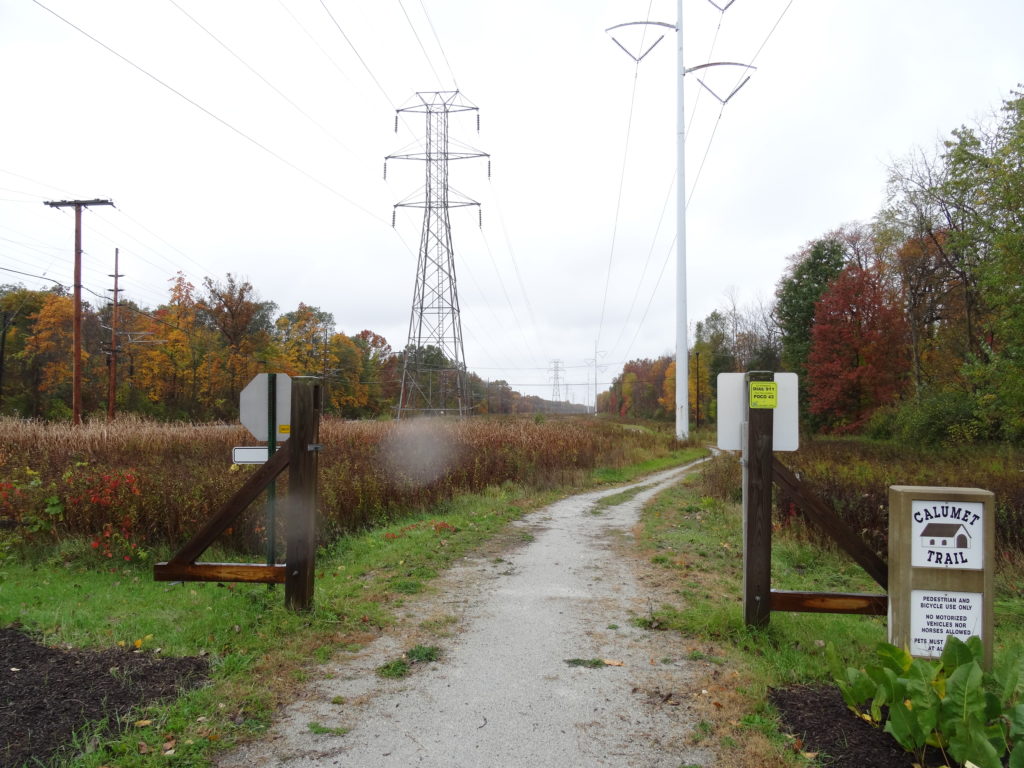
{"points": [[434, 367], [556, 381]]}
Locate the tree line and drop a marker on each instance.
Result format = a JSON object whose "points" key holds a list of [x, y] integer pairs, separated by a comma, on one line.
{"points": [[908, 326], [189, 358]]}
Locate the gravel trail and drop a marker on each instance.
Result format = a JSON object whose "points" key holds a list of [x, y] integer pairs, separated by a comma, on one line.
{"points": [[502, 693]]}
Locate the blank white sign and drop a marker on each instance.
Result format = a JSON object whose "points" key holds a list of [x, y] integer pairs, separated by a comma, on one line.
{"points": [[732, 412]]}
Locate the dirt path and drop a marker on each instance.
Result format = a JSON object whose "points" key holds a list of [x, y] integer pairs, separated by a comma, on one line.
{"points": [[502, 693]]}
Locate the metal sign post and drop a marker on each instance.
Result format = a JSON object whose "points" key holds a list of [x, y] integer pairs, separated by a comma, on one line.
{"points": [[271, 448], [264, 409]]}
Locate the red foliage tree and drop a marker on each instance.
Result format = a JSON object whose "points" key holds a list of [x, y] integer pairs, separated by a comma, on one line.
{"points": [[860, 357]]}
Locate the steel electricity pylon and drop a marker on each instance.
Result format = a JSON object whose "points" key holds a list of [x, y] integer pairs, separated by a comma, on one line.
{"points": [[434, 365]]}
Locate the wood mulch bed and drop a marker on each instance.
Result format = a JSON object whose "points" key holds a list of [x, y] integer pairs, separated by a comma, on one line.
{"points": [[48, 694], [820, 719]]}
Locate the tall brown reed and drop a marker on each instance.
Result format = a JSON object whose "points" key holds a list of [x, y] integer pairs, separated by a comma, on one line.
{"points": [[370, 471]]}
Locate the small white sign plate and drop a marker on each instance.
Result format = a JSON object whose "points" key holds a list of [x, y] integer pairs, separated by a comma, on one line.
{"points": [[256, 454], [934, 614], [947, 534]]}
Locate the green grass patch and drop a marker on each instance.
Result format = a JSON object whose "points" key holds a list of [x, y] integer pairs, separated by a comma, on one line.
{"points": [[616, 499], [394, 669], [315, 727], [588, 663], [418, 654], [618, 475]]}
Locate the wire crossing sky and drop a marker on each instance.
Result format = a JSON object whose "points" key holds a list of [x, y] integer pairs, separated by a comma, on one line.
{"points": [[249, 137]]}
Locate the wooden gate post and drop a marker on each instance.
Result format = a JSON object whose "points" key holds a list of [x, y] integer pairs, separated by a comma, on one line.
{"points": [[301, 526], [757, 508]]}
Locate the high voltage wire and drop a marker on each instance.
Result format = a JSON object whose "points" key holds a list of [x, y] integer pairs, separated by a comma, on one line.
{"points": [[622, 180], [215, 117], [269, 84], [358, 55], [415, 34], [440, 47]]}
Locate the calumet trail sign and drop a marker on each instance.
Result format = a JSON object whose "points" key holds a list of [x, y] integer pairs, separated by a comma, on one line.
{"points": [[941, 566]]}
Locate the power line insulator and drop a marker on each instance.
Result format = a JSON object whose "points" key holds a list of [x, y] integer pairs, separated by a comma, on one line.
{"points": [[393, 212], [480, 218], [478, 122], [385, 170], [488, 170], [396, 123]]}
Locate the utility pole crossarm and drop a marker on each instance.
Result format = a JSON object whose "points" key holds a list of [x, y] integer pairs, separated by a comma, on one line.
{"points": [[76, 203]]}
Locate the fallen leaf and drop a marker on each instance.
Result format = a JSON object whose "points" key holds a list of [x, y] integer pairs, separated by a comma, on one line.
{"points": [[143, 748], [613, 663], [15, 669], [718, 704], [143, 723], [138, 643], [809, 755], [168, 747]]}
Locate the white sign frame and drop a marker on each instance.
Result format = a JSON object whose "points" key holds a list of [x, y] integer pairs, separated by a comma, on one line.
{"points": [[732, 412], [252, 405]]}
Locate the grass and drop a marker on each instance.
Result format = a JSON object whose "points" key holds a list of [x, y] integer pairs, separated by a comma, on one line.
{"points": [[587, 663], [698, 539], [399, 668], [317, 728], [615, 499]]}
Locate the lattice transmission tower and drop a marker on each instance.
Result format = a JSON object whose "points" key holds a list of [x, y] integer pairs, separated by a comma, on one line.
{"points": [[556, 382], [434, 365]]}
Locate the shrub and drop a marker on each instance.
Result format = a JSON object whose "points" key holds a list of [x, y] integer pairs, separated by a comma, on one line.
{"points": [[948, 703]]}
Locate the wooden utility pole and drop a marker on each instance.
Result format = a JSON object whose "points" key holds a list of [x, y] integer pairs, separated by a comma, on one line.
{"points": [[307, 404], [112, 372], [76, 323]]}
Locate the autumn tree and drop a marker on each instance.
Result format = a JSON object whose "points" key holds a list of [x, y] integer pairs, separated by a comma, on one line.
{"points": [[245, 325], [302, 337], [859, 355]]}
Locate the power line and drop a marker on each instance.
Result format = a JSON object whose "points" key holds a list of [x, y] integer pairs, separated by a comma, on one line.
{"points": [[622, 177], [415, 34], [269, 84], [210, 114], [440, 47], [356, 52]]}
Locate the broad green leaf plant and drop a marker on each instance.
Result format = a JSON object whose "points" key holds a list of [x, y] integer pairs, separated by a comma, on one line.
{"points": [[949, 703]]}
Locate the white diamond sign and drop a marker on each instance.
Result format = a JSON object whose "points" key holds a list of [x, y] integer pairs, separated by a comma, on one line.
{"points": [[254, 406]]}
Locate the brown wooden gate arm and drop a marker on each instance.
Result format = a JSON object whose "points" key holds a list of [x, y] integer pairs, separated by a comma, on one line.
{"points": [[819, 513], [234, 506]]}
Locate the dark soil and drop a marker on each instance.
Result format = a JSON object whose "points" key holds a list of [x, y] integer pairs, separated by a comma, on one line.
{"points": [[47, 694], [818, 716]]}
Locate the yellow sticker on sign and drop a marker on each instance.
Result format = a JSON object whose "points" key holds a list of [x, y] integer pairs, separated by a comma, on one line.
{"points": [[764, 394], [284, 429]]}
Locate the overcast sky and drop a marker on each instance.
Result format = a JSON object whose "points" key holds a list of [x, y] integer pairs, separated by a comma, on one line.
{"points": [[249, 137]]}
